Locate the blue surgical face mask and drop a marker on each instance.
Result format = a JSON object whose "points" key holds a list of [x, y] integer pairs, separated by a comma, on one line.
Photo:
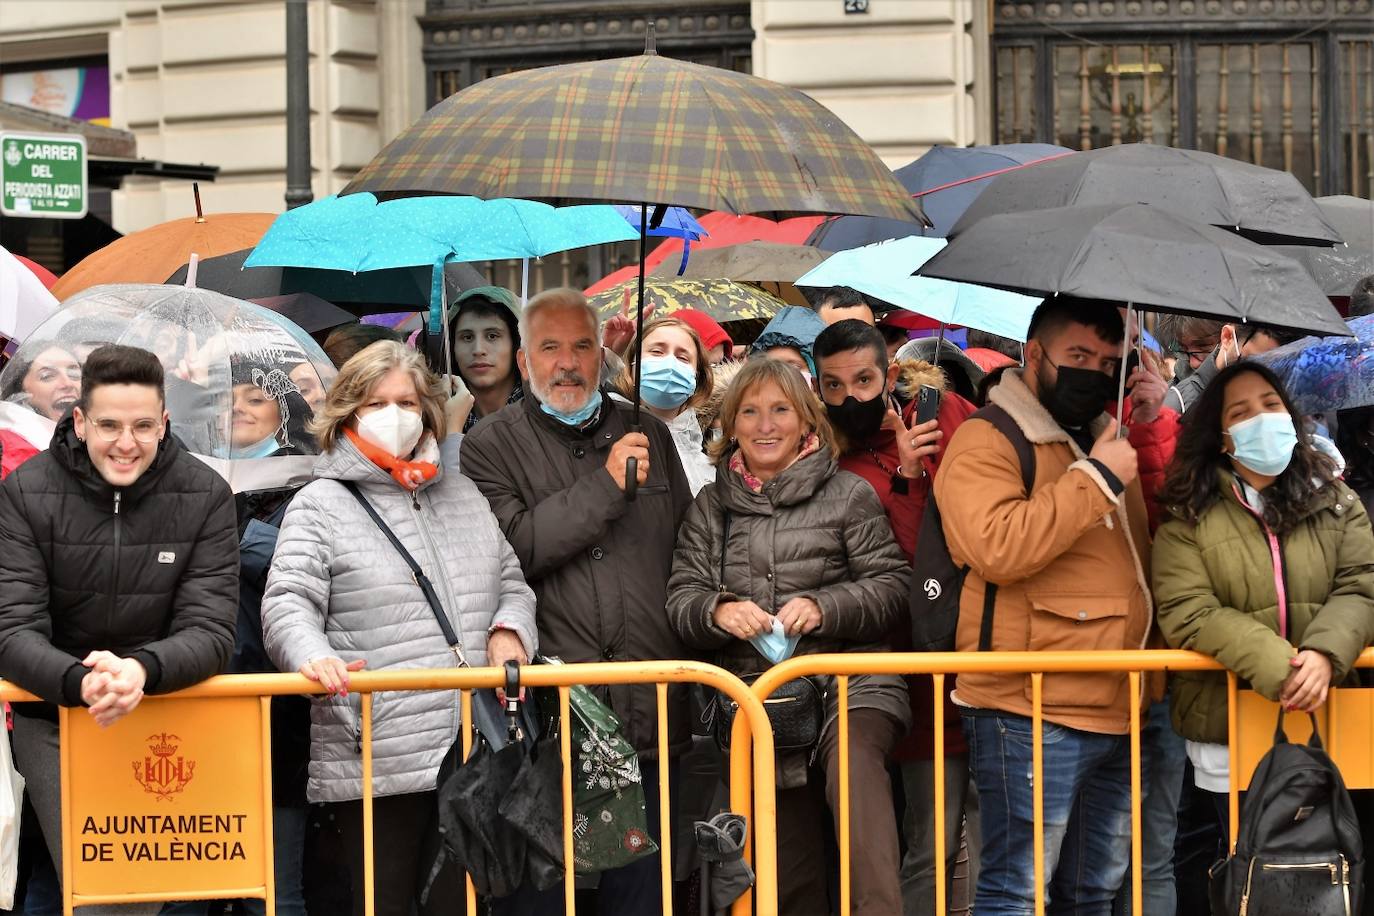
{"points": [[775, 645], [577, 417], [1264, 443], [666, 382], [261, 449]]}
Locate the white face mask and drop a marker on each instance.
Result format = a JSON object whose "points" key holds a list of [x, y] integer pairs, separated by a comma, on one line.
{"points": [[392, 429]]}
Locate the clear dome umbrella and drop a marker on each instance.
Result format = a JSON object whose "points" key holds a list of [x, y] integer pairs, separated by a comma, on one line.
{"points": [[242, 381]]}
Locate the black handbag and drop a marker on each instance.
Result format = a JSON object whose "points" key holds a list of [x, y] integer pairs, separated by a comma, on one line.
{"points": [[796, 710]]}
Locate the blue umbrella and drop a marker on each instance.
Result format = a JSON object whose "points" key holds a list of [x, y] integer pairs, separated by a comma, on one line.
{"points": [[356, 233], [946, 180], [677, 223], [883, 271], [1323, 374]]}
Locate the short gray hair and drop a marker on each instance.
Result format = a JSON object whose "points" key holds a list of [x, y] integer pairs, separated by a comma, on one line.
{"points": [[562, 297]]}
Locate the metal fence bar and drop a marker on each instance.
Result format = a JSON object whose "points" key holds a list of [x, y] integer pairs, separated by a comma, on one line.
{"points": [[565, 742], [1136, 876], [1233, 747], [752, 725], [369, 876], [269, 858], [465, 708], [1038, 788], [941, 904], [842, 683], [665, 843]]}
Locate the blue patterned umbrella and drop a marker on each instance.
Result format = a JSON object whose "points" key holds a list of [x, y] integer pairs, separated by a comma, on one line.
{"points": [[1328, 373]]}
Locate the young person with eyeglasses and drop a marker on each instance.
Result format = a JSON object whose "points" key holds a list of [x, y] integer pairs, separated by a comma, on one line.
{"points": [[120, 572]]}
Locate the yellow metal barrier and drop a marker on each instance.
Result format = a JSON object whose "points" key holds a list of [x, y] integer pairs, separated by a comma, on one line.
{"points": [[753, 722], [1250, 726]]}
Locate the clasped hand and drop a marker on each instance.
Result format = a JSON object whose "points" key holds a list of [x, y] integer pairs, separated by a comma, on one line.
{"points": [[113, 687]]}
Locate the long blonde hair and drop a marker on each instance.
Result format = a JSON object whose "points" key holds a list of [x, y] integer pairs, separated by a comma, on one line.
{"points": [[758, 372], [360, 375], [625, 381]]}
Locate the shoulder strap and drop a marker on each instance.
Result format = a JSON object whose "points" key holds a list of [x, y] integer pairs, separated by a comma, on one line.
{"points": [[724, 540], [1025, 454], [416, 572]]}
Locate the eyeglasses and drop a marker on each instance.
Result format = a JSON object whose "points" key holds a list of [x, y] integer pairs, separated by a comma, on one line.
{"points": [[144, 431]]}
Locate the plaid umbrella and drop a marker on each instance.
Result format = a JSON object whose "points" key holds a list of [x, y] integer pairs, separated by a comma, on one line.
{"points": [[723, 300], [635, 130]]}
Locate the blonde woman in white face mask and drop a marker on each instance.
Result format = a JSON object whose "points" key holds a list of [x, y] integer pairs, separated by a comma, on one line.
{"points": [[341, 597]]}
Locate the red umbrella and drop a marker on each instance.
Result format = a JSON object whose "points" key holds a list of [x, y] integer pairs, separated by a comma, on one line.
{"points": [[45, 276], [725, 229]]}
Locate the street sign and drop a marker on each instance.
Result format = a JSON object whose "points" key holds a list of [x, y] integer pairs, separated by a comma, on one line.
{"points": [[43, 175]]}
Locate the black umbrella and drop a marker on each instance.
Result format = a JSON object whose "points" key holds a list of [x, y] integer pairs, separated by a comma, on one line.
{"points": [[1142, 255], [307, 311], [1262, 204], [1338, 269], [394, 290]]}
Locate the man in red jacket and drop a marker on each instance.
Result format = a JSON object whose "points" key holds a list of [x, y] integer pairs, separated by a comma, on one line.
{"points": [[881, 443]]}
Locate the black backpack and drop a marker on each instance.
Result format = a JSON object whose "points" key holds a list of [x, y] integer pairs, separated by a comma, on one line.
{"points": [[1299, 851], [937, 582]]}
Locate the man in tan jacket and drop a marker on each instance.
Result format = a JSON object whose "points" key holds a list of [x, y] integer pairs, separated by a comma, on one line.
{"points": [[1060, 568]]}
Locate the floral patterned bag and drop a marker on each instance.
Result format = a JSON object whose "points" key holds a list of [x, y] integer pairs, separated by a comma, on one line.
{"points": [[610, 827]]}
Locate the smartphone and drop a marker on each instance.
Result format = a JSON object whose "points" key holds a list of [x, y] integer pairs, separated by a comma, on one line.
{"points": [[927, 404]]}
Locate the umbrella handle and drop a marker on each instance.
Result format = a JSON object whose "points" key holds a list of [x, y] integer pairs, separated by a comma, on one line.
{"points": [[513, 701], [631, 479]]}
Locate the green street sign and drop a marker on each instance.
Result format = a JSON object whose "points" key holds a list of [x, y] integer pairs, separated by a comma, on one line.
{"points": [[43, 175]]}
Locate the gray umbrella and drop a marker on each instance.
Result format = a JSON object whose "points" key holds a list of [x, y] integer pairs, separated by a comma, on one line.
{"points": [[1142, 255], [1338, 269], [1262, 204]]}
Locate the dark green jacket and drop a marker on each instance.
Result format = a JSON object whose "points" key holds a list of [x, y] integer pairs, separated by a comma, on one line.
{"points": [[1216, 593]]}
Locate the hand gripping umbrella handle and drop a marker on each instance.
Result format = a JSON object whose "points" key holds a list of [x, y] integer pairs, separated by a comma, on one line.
{"points": [[631, 479]]}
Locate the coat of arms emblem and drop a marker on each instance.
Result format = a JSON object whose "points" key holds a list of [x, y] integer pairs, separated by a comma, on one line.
{"points": [[164, 773]]}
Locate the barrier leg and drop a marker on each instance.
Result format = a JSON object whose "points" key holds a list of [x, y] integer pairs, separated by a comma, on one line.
{"points": [[843, 725], [1038, 796], [1233, 748], [1136, 898], [67, 815], [665, 825], [565, 738], [269, 841], [465, 729], [941, 904], [369, 904]]}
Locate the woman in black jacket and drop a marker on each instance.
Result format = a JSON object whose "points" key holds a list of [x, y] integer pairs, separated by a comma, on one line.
{"points": [[120, 570]]}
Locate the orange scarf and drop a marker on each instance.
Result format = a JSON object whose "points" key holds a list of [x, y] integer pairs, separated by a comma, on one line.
{"points": [[409, 474]]}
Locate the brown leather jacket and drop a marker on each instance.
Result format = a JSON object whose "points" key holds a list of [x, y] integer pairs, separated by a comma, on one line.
{"points": [[1071, 562]]}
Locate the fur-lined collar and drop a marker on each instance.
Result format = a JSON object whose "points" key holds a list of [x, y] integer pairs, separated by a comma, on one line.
{"points": [[1012, 395], [912, 374]]}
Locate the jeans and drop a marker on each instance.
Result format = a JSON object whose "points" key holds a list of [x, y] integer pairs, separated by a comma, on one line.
{"points": [[288, 846], [1087, 815], [1163, 758], [918, 865]]}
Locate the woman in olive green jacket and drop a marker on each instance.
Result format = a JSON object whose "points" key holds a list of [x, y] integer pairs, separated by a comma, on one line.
{"points": [[1267, 564]]}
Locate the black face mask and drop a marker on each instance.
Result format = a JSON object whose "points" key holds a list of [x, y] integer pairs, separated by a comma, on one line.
{"points": [[1077, 396], [858, 420]]}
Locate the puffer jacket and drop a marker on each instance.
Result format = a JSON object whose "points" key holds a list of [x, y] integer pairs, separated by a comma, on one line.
{"points": [[149, 571], [1216, 588], [598, 564], [815, 531], [1070, 559], [338, 588]]}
